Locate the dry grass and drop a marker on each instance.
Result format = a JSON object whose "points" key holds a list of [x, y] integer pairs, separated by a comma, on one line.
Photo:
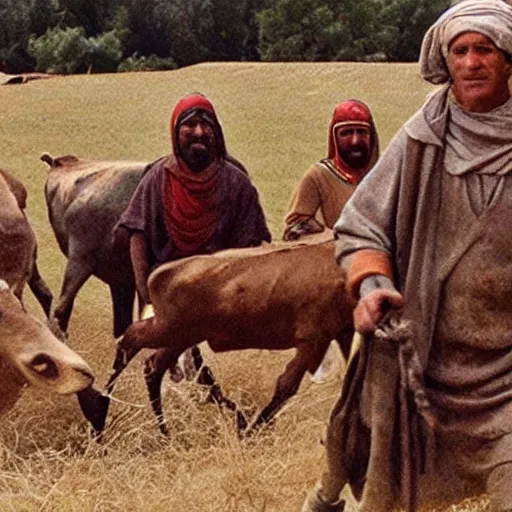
{"points": [[275, 118]]}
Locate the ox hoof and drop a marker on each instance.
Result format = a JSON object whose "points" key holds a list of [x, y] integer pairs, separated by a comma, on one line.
{"points": [[254, 428], [164, 429], [314, 503], [94, 407], [241, 422], [176, 373]]}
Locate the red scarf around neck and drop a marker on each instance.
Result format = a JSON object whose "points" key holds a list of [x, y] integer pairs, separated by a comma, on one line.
{"points": [[191, 203]]}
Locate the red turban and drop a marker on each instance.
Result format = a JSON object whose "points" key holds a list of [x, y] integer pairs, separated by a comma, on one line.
{"points": [[195, 102]]}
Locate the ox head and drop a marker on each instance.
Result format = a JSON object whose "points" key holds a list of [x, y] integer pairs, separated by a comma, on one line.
{"points": [[30, 347]]}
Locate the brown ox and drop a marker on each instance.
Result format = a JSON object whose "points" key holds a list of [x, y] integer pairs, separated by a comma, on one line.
{"points": [[277, 296], [29, 352]]}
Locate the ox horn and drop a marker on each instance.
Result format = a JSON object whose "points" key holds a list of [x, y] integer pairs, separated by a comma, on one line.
{"points": [[47, 158]]}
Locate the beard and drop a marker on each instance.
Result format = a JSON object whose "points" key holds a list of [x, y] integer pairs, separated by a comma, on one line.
{"points": [[356, 157], [198, 155]]}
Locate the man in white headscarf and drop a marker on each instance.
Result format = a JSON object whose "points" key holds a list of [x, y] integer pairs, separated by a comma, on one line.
{"points": [[426, 409]]}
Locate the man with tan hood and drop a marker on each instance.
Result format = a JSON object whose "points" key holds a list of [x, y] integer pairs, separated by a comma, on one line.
{"points": [[425, 414], [321, 194]]}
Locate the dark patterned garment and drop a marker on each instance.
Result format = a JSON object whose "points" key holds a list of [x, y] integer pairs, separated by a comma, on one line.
{"points": [[241, 222]]}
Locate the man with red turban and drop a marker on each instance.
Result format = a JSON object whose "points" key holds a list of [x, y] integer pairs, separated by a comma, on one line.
{"points": [[197, 200], [353, 148]]}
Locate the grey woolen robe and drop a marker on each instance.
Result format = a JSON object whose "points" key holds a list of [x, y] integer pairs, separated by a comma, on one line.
{"points": [[398, 209]]}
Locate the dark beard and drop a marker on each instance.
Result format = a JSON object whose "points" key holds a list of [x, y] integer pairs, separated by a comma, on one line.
{"points": [[356, 161], [198, 159]]}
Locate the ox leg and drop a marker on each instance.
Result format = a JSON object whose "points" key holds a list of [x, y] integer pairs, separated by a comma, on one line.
{"points": [[76, 274], [95, 405], [40, 290], [122, 303], [164, 359], [215, 394], [287, 385], [155, 367]]}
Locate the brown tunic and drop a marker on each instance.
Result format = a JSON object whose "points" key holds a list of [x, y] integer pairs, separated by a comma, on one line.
{"points": [[321, 193]]}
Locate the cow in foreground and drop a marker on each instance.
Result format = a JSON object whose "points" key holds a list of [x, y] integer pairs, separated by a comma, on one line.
{"points": [[29, 352], [275, 297]]}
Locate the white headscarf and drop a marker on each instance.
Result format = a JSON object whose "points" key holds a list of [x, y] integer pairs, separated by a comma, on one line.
{"points": [[492, 18]]}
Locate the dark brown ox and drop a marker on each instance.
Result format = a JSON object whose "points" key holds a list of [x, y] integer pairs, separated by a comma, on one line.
{"points": [[275, 297], [29, 352], [85, 199]]}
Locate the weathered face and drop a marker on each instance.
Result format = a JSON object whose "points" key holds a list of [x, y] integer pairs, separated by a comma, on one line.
{"points": [[479, 72], [196, 140], [353, 143]]}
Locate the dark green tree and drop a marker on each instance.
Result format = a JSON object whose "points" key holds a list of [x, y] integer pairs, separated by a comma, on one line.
{"points": [[204, 30], [406, 22], [147, 28], [70, 51], [304, 30], [14, 35], [346, 29], [94, 16], [42, 16]]}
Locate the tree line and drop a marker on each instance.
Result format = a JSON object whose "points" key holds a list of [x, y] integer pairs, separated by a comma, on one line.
{"points": [[78, 36]]}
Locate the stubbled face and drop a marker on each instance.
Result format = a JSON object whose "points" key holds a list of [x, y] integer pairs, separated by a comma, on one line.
{"points": [[479, 71], [353, 143], [196, 140]]}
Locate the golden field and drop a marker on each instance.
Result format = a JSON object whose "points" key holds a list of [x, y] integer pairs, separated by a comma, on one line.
{"points": [[275, 118]]}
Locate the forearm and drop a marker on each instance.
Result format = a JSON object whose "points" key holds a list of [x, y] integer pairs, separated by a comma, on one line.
{"points": [[140, 264], [369, 279], [363, 266]]}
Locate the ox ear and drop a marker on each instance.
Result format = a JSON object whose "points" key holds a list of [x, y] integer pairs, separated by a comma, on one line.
{"points": [[3, 285]]}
